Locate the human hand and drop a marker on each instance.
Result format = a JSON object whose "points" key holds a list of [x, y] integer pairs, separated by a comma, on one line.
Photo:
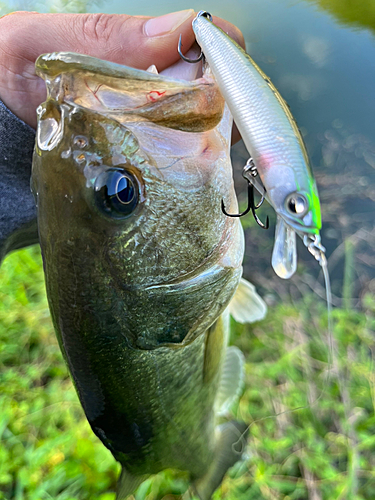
{"points": [[134, 41]]}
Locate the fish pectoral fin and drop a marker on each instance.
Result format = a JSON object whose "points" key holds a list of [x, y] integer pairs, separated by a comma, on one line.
{"points": [[231, 381], [247, 306], [231, 444], [127, 484]]}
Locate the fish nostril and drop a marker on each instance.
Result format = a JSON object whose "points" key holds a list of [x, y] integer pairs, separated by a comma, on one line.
{"points": [[80, 141]]}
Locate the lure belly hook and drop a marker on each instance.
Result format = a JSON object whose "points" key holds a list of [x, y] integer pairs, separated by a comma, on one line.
{"points": [[249, 168]]}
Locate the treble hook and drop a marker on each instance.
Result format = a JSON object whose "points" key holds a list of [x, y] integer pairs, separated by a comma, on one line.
{"points": [[250, 197], [208, 16], [192, 61]]}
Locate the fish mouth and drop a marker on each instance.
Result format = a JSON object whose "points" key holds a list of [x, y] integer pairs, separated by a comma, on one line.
{"points": [[182, 97], [52, 65], [199, 286]]}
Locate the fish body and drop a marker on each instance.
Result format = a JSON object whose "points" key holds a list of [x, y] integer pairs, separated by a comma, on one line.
{"points": [[270, 134], [140, 264]]}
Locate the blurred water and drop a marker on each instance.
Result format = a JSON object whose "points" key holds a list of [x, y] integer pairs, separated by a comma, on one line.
{"points": [[323, 62]]}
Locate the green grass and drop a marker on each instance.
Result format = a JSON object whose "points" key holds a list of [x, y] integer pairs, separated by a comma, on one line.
{"points": [[325, 451]]}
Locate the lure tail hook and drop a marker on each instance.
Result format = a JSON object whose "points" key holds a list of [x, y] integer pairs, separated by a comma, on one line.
{"points": [[250, 206], [208, 16], [192, 61]]}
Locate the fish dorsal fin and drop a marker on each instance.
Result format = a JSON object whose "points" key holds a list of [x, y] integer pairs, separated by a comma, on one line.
{"points": [[247, 306], [231, 381]]}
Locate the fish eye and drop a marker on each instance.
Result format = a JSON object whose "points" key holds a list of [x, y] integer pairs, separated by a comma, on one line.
{"points": [[116, 193], [297, 204]]}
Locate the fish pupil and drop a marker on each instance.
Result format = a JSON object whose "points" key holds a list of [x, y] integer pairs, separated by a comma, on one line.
{"points": [[116, 192]]}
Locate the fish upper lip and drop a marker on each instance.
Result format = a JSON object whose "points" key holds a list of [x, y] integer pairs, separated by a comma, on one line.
{"points": [[205, 274], [50, 64]]}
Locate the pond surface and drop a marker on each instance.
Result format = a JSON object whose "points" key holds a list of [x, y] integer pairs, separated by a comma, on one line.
{"points": [[321, 56]]}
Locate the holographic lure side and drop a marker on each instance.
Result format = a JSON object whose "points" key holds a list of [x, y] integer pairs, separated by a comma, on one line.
{"points": [[273, 140]]}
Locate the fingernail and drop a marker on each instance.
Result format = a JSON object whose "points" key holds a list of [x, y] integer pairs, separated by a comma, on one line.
{"points": [[162, 25]]}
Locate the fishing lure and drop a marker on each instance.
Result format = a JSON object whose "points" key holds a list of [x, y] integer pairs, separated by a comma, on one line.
{"points": [[279, 167]]}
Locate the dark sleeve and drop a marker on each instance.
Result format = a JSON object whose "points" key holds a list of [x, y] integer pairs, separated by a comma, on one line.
{"points": [[18, 226]]}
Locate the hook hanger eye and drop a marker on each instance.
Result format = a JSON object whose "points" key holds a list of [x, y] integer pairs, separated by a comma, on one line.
{"points": [[205, 14]]}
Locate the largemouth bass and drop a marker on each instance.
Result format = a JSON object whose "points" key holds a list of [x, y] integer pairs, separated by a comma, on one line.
{"points": [[141, 264], [279, 166]]}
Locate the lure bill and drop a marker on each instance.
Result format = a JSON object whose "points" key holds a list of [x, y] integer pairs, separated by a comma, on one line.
{"points": [[275, 144]]}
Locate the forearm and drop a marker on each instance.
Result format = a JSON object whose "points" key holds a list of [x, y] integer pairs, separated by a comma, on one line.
{"points": [[18, 226]]}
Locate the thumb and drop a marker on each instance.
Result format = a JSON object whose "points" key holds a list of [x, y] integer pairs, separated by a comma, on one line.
{"points": [[134, 41]]}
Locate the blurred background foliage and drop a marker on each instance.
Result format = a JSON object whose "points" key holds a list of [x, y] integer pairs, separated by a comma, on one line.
{"points": [[360, 14], [320, 54], [322, 451]]}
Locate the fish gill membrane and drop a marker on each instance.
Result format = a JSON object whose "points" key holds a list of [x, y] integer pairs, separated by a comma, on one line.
{"points": [[142, 268], [278, 167]]}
